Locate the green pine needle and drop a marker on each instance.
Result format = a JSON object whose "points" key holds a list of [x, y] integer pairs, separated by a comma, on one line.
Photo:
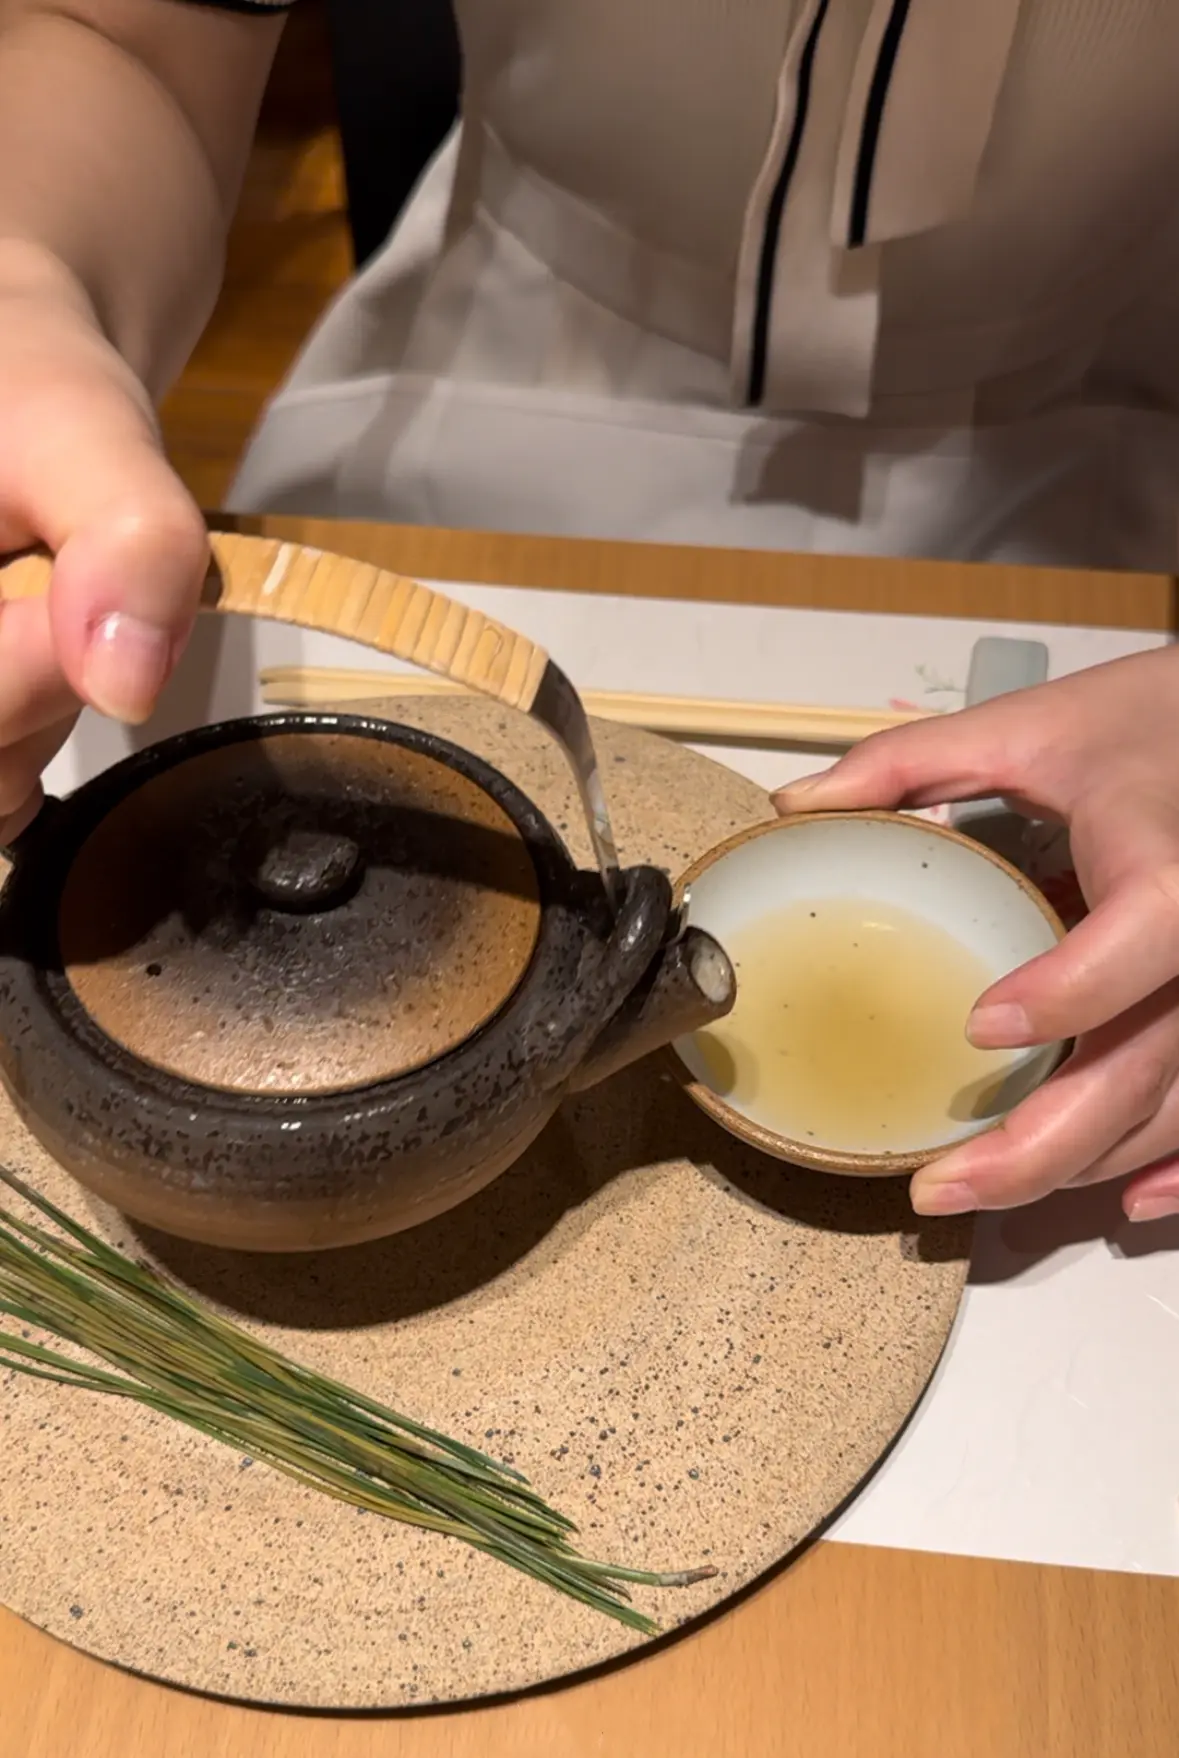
{"points": [[173, 1356]]}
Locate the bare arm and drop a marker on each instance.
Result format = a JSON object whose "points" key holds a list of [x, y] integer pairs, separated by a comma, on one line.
{"points": [[124, 130]]}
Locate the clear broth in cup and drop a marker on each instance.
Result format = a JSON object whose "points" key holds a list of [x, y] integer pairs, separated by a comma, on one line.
{"points": [[850, 1029]]}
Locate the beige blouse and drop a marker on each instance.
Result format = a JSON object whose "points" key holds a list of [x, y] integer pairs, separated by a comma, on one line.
{"points": [[851, 202], [891, 217]]}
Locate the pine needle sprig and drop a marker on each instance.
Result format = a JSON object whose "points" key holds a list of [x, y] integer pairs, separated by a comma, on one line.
{"points": [[167, 1352]]}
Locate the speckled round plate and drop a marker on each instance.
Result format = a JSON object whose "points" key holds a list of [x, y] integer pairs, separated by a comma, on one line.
{"points": [[696, 1352]]}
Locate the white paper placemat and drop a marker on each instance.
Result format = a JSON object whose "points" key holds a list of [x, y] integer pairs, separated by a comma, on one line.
{"points": [[1052, 1431]]}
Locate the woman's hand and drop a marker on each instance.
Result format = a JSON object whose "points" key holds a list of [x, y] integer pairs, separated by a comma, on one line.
{"points": [[125, 128], [81, 471], [1100, 752]]}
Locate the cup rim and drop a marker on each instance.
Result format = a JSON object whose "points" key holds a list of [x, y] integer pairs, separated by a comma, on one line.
{"points": [[810, 1154]]}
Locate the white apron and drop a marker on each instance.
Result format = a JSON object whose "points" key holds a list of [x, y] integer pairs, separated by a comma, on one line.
{"points": [[836, 275]]}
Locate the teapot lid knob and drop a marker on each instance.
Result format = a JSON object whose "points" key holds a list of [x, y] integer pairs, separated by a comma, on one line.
{"points": [[308, 870]]}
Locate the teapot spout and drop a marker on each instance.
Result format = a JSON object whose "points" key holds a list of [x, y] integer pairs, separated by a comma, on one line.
{"points": [[689, 984]]}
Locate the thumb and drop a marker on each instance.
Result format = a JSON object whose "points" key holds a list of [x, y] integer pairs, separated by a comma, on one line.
{"points": [[125, 591], [81, 471]]}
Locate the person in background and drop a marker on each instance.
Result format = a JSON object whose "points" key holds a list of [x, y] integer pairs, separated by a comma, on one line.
{"points": [[875, 276]]}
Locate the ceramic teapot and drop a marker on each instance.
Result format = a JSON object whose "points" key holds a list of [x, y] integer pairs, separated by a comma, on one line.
{"points": [[304, 980]]}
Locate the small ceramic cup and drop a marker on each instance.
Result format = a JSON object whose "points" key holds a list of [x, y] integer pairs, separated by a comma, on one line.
{"points": [[894, 860]]}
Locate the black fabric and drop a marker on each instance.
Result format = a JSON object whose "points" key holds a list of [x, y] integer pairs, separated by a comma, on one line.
{"points": [[398, 72], [242, 5]]}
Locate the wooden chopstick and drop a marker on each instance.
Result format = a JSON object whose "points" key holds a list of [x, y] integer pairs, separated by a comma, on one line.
{"points": [[684, 717]]}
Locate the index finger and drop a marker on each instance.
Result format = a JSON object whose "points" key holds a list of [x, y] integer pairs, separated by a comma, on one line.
{"points": [[1117, 956]]}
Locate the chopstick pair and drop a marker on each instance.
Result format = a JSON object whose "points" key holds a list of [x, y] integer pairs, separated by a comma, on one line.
{"points": [[682, 717]]}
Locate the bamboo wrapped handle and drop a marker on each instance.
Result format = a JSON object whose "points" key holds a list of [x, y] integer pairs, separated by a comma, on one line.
{"points": [[289, 583]]}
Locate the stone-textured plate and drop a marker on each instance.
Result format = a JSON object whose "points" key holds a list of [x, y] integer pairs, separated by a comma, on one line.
{"points": [[695, 1351]]}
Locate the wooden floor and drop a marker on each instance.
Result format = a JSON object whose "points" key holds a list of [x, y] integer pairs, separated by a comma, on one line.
{"points": [[290, 250]]}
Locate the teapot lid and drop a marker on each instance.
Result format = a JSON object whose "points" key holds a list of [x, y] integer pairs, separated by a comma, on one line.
{"points": [[299, 909]]}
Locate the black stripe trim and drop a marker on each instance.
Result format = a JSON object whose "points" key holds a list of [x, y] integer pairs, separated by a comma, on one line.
{"points": [[257, 8], [886, 61], [773, 228]]}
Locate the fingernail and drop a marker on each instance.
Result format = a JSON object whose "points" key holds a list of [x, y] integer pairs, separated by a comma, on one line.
{"points": [[944, 1199], [783, 794], [1000, 1027], [1154, 1208], [126, 667]]}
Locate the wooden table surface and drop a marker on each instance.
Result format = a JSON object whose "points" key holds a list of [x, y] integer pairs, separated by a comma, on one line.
{"points": [[850, 1653]]}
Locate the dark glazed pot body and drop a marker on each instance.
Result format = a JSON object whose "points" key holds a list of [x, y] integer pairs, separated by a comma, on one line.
{"points": [[267, 1171]]}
